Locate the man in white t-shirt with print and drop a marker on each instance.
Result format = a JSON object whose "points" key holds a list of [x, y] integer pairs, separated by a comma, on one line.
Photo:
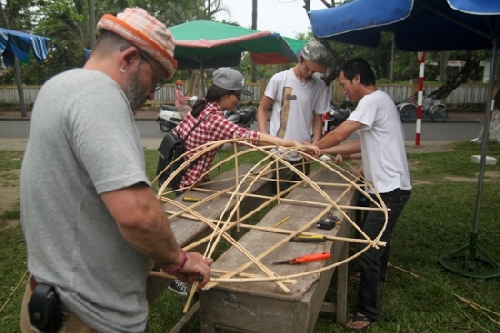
{"points": [[298, 99], [385, 166]]}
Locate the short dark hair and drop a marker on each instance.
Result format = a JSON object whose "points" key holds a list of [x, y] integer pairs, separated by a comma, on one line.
{"points": [[108, 42], [214, 94], [358, 66]]}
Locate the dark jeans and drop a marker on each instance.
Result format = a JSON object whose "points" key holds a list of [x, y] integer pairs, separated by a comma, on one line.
{"points": [[374, 261]]}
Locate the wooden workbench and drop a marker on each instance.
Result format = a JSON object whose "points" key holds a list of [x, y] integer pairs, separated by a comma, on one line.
{"points": [[264, 306]]}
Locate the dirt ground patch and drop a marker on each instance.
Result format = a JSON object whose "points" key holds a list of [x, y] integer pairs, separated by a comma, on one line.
{"points": [[9, 196], [488, 175], [429, 147]]}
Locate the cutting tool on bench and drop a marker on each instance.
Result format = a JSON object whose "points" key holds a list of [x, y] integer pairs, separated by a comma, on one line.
{"points": [[305, 258]]}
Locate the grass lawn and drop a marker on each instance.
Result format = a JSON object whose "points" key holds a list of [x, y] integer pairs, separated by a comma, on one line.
{"points": [[419, 296]]}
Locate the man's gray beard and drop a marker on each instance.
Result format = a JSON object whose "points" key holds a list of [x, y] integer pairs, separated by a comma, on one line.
{"points": [[134, 91]]}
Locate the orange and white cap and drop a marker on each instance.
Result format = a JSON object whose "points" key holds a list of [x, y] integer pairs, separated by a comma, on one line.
{"points": [[144, 31]]}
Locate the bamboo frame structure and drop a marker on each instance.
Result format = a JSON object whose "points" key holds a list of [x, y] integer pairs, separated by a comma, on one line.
{"points": [[236, 193]]}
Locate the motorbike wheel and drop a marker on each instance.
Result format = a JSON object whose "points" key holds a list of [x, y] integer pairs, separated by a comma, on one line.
{"points": [[165, 128], [439, 113], [408, 113]]}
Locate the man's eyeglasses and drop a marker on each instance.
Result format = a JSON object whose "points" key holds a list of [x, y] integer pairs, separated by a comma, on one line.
{"points": [[162, 80], [146, 58]]}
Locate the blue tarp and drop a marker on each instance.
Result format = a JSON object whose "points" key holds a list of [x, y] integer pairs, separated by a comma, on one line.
{"points": [[18, 44]]}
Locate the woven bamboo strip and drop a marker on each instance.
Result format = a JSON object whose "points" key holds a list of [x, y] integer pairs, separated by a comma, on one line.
{"points": [[270, 229], [260, 172], [235, 149], [223, 233], [230, 215], [227, 226], [241, 249], [232, 242], [164, 275], [265, 253], [244, 266]]}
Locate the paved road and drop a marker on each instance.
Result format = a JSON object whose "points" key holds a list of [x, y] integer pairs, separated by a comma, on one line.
{"points": [[448, 131]]}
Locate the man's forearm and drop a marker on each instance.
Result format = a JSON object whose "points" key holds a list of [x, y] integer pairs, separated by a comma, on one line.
{"points": [[317, 128], [262, 120], [347, 148], [331, 139], [153, 238], [338, 135], [143, 223]]}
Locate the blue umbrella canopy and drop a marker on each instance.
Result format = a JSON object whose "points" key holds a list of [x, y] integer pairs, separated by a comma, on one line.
{"points": [[426, 25], [418, 25], [16, 44]]}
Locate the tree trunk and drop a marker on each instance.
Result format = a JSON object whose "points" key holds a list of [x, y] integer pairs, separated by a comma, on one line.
{"points": [[92, 24], [445, 56], [465, 74], [254, 27], [494, 130], [392, 58], [17, 72], [494, 134]]}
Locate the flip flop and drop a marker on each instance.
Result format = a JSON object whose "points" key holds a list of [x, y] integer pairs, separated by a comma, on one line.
{"points": [[362, 318], [355, 278]]}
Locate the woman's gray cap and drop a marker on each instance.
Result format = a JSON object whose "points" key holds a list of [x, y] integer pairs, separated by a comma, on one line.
{"points": [[230, 79]]}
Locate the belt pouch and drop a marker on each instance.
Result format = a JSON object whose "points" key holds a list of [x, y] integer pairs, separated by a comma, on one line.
{"points": [[45, 309]]}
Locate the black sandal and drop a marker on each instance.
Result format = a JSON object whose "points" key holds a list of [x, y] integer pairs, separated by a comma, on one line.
{"points": [[362, 318]]}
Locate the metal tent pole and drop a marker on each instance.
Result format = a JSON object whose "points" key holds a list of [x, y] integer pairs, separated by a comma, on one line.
{"points": [[202, 82], [472, 253]]}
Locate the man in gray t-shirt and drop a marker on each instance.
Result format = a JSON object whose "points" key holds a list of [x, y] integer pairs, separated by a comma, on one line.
{"points": [[91, 221]]}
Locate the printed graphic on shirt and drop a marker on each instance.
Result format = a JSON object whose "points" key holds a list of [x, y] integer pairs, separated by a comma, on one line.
{"points": [[285, 109]]}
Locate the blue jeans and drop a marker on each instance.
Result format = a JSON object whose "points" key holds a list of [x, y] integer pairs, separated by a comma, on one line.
{"points": [[374, 261]]}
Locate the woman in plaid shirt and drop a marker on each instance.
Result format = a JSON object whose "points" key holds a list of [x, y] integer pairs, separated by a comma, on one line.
{"points": [[223, 94]]}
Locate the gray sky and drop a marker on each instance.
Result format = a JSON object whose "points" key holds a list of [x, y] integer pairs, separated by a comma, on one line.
{"points": [[287, 17]]}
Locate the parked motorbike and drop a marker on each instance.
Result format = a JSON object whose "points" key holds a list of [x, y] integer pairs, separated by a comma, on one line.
{"points": [[335, 117], [169, 116], [242, 117]]}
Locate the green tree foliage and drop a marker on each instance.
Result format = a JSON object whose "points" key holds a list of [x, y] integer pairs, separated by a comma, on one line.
{"points": [[18, 14], [66, 23]]}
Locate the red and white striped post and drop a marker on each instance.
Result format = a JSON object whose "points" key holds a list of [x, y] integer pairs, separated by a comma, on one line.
{"points": [[421, 62]]}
